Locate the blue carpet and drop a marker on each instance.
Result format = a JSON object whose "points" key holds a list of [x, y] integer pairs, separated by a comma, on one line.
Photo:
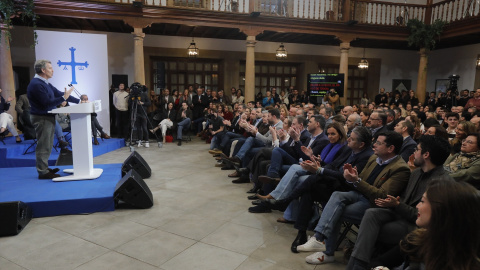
{"points": [[11, 154], [48, 198]]}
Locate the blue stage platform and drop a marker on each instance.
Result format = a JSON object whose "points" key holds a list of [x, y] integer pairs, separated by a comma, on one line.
{"points": [[11, 154], [48, 198]]}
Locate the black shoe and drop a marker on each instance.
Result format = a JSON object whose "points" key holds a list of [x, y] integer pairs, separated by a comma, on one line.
{"points": [[256, 202], [243, 170], [253, 190], [299, 240], [261, 208], [252, 197], [63, 144], [234, 161], [227, 167], [179, 142], [267, 180], [280, 205], [48, 175], [54, 170], [240, 181]]}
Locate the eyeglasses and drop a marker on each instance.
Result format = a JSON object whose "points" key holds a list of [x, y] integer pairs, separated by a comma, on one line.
{"points": [[469, 142], [417, 149], [379, 143]]}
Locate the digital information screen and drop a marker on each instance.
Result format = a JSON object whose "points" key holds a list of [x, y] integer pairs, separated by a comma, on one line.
{"points": [[319, 84]]}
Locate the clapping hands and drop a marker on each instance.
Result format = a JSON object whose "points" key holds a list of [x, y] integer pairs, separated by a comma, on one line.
{"points": [[350, 173]]}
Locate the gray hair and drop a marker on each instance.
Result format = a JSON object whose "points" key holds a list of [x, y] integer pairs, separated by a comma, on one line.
{"points": [[358, 119], [364, 135], [40, 64]]}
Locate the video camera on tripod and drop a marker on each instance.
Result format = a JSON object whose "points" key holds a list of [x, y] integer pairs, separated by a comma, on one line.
{"points": [[136, 90], [453, 83], [453, 88]]}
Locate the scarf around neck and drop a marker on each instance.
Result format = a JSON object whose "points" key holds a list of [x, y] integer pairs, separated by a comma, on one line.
{"points": [[462, 161], [330, 151]]}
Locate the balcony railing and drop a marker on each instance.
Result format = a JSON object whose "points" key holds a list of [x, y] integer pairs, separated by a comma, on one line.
{"points": [[384, 13], [362, 11], [455, 10]]}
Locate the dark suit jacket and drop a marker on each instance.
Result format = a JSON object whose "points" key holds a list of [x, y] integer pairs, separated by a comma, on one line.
{"points": [[224, 100], [162, 103], [289, 146], [317, 146], [414, 191], [188, 113], [408, 147], [382, 129], [199, 105], [392, 180], [172, 115], [335, 169], [188, 100]]}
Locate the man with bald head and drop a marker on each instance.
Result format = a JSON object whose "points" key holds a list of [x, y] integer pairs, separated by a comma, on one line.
{"points": [[347, 111]]}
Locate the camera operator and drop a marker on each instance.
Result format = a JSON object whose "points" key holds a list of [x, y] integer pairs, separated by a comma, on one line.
{"points": [[139, 97], [332, 97]]}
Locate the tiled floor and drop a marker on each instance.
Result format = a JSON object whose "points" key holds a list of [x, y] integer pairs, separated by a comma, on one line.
{"points": [[199, 221]]}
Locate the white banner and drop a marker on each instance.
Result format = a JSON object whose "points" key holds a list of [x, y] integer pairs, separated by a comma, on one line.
{"points": [[81, 60]]}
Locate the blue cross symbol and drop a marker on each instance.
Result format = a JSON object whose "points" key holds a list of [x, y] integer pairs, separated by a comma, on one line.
{"points": [[73, 64]]}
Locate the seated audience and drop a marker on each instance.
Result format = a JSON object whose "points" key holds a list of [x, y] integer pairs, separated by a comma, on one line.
{"points": [[96, 127], [184, 119], [6, 120], [395, 216], [440, 222], [169, 116], [386, 173], [406, 129], [23, 107], [461, 133], [465, 165]]}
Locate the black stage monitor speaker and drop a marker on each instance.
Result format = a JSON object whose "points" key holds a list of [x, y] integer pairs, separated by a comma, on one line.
{"points": [[14, 216], [133, 190], [136, 162]]}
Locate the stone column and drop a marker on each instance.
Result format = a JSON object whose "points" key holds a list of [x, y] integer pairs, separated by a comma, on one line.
{"points": [[422, 75], [249, 91], [344, 48], [7, 83], [250, 70], [139, 63]]}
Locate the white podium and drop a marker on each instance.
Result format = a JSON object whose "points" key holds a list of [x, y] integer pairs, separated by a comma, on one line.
{"points": [[81, 125]]}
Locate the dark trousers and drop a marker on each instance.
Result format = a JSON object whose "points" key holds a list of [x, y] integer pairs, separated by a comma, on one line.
{"points": [[279, 157], [122, 123], [96, 127], [142, 131], [313, 189]]}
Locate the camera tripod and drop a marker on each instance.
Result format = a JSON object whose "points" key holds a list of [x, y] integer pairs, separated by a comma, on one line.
{"points": [[133, 120]]}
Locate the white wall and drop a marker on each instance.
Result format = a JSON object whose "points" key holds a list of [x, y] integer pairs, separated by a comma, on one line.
{"points": [[459, 60]]}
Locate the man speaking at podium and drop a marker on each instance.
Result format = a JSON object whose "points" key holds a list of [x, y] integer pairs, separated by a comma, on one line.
{"points": [[43, 98]]}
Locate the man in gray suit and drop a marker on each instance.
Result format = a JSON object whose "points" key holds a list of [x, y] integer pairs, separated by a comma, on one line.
{"points": [[396, 216]]}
